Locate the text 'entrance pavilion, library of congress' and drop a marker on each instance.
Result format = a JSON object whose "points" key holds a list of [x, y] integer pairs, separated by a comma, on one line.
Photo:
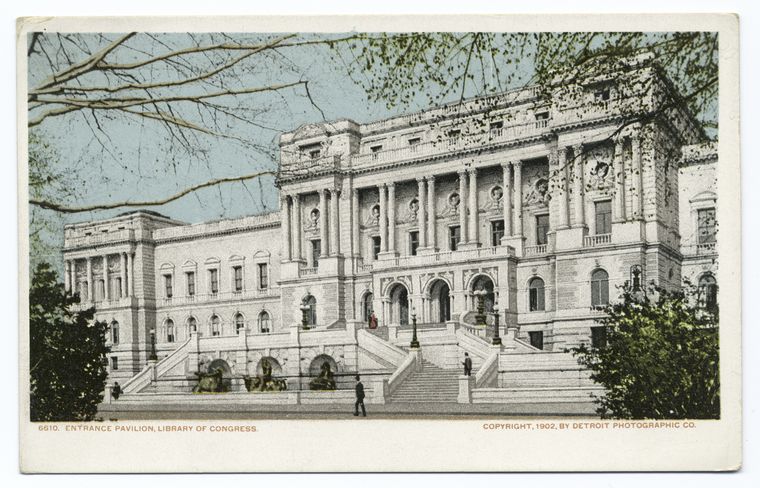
{"points": [[497, 227]]}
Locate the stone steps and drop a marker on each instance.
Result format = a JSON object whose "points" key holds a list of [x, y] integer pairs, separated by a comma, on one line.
{"points": [[431, 384]]}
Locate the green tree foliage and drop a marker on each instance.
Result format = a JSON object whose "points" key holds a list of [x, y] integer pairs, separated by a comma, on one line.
{"points": [[660, 360], [67, 357]]}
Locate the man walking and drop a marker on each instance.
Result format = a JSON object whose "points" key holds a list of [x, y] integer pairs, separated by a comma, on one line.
{"points": [[359, 398], [467, 365]]}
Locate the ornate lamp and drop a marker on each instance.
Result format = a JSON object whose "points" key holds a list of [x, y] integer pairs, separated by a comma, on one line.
{"points": [[496, 339], [415, 344], [153, 356], [305, 309]]}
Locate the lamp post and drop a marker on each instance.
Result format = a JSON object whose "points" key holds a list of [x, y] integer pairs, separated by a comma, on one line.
{"points": [[153, 356], [496, 339], [415, 344], [480, 317], [305, 316]]}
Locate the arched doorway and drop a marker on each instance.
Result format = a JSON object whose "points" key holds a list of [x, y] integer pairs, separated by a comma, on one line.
{"points": [[367, 307], [311, 314], [399, 305], [323, 373], [440, 304], [226, 371], [485, 283]]}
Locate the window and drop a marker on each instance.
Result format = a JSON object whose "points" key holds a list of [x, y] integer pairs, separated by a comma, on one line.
{"points": [[115, 288], [708, 291], [542, 229], [83, 290], [237, 272], [454, 133], [367, 307], [375, 149], [190, 283], [213, 275], [314, 154], [115, 332], [263, 276], [542, 116], [414, 242], [192, 324], [600, 292], [497, 232], [536, 339], [706, 225], [375, 247], [170, 336], [414, 141], [602, 95], [311, 313], [215, 326], [598, 336], [316, 251], [536, 295], [239, 323], [100, 292], [168, 286], [265, 323], [455, 235], [496, 125], [603, 212], [114, 363]]}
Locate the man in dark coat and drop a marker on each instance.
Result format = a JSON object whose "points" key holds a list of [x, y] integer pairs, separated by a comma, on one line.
{"points": [[359, 398], [467, 364]]}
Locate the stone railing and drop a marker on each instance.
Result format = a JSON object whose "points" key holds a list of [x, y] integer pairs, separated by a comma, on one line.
{"points": [[218, 297], [439, 258], [488, 371], [706, 248], [307, 271], [597, 240], [535, 250], [99, 239]]}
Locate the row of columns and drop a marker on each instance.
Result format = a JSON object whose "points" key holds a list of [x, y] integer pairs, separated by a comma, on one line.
{"points": [[292, 230], [127, 276]]}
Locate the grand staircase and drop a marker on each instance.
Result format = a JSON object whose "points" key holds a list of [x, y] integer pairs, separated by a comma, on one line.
{"points": [[431, 384]]}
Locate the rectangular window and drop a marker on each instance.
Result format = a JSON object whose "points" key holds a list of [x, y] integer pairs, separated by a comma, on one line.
{"points": [[115, 333], [542, 116], [706, 225], [375, 247], [114, 363], [455, 235], [316, 251], [213, 275], [537, 339], [496, 125], [375, 149], [414, 242], [497, 232], [542, 229], [598, 336], [602, 95], [115, 288], [100, 291], [314, 154], [454, 133], [237, 272], [263, 276], [190, 283], [168, 286], [603, 212], [414, 141]]}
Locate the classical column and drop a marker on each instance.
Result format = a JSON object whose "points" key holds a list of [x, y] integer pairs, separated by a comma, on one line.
{"points": [[355, 238], [518, 227], [106, 293], [325, 246], [286, 227], [67, 275], [431, 211], [562, 186], [618, 210], [638, 177], [392, 217], [297, 237], [334, 230], [421, 211], [579, 193], [473, 206], [463, 205], [131, 273], [89, 280], [73, 277], [382, 220], [123, 268], [506, 198]]}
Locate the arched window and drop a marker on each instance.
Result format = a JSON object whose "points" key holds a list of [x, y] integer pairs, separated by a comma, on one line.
{"points": [[115, 332], [708, 291], [169, 330], [192, 325], [536, 295], [265, 323], [600, 288], [215, 326], [367, 307], [311, 314], [239, 323]]}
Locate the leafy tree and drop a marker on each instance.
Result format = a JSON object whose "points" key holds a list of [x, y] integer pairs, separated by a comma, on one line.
{"points": [[659, 359], [67, 356]]}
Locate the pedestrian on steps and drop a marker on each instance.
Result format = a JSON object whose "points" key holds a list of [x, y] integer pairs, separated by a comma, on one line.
{"points": [[467, 365], [359, 398]]}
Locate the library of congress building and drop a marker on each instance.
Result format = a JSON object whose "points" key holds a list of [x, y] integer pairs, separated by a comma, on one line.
{"points": [[498, 227]]}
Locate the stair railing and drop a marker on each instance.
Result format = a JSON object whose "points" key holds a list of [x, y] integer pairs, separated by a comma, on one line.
{"points": [[142, 379], [402, 372]]}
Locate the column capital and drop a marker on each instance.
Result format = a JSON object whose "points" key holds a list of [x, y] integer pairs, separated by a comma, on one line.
{"points": [[322, 191], [462, 172], [421, 179], [516, 163], [430, 178]]}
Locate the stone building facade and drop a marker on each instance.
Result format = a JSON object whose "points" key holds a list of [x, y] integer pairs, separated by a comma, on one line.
{"points": [[544, 203]]}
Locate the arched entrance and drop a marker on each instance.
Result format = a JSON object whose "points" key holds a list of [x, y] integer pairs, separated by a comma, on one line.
{"points": [[226, 371], [440, 303], [399, 309], [367, 306], [485, 283]]}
